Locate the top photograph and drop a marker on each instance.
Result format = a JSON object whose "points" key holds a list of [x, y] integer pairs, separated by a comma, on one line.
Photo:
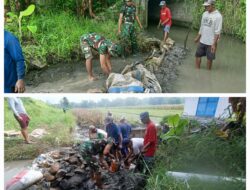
{"points": [[124, 46]]}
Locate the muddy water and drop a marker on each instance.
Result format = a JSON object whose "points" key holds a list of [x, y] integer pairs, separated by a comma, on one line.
{"points": [[229, 69], [14, 167], [72, 78], [228, 73]]}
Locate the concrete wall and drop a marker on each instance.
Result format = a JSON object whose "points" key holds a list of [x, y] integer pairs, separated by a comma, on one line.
{"points": [[222, 105], [181, 11], [191, 104], [149, 9]]}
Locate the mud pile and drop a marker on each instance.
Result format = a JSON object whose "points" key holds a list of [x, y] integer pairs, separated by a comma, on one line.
{"points": [[67, 170], [168, 71], [163, 60]]}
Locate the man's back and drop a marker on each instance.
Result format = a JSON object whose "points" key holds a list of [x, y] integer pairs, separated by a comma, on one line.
{"points": [[125, 130], [113, 131]]}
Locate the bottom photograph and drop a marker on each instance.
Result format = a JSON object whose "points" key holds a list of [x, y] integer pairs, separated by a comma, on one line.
{"points": [[128, 142]]}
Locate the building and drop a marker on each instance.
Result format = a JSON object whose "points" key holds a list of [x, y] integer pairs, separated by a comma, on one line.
{"points": [[212, 107]]}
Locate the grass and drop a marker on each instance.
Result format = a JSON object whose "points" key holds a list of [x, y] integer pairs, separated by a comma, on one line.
{"points": [[132, 113], [58, 36], [53, 120], [203, 153]]}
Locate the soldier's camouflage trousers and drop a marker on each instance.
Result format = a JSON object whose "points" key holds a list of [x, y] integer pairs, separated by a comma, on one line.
{"points": [[128, 36]]}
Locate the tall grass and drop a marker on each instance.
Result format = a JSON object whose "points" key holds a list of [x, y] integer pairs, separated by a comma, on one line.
{"points": [[58, 36], [58, 125], [200, 153], [88, 117], [42, 115]]}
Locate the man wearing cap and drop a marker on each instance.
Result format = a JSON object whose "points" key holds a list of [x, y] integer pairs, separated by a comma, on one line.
{"points": [[150, 138], [94, 42], [128, 16], [209, 34], [125, 129], [114, 133], [95, 133], [165, 19]]}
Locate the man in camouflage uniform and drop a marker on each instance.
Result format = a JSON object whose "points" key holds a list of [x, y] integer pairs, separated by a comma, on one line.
{"points": [[127, 16], [94, 42], [91, 148]]}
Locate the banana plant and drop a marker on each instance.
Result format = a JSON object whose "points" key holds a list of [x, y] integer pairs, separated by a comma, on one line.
{"points": [[26, 12], [13, 18], [177, 126]]}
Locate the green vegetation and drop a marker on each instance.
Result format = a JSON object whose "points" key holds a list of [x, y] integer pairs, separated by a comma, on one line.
{"points": [[132, 112], [203, 153], [58, 33], [51, 34], [52, 119], [234, 16]]}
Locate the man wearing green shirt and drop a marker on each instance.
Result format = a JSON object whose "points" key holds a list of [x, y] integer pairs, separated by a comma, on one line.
{"points": [[127, 17], [106, 48]]}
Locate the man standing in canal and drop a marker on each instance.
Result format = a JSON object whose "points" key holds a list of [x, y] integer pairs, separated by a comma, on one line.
{"points": [[128, 16], [20, 114], [209, 34], [150, 139], [106, 48], [165, 19]]}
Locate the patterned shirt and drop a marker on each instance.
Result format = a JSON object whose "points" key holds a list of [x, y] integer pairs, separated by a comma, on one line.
{"points": [[97, 42], [129, 13]]}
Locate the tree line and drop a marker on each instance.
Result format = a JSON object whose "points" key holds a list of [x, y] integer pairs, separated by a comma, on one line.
{"points": [[119, 102]]}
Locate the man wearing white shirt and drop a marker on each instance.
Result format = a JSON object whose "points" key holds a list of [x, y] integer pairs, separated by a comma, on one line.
{"points": [[16, 105], [95, 133], [209, 34], [135, 147]]}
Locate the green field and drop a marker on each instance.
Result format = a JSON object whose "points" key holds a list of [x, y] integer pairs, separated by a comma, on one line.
{"points": [[132, 113]]}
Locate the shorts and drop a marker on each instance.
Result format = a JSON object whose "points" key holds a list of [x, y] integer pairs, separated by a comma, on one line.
{"points": [[25, 121], [166, 28], [86, 50], [205, 50]]}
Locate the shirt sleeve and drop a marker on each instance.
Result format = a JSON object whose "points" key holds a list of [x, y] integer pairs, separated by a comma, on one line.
{"points": [[122, 10], [11, 102], [218, 25], [15, 51], [22, 106], [169, 13]]}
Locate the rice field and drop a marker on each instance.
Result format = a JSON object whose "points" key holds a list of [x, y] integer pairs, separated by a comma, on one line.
{"points": [[132, 113]]}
